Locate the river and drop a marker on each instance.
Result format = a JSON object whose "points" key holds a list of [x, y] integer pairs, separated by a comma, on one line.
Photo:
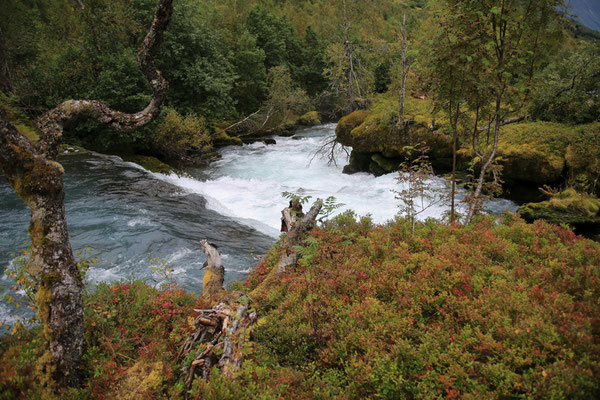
{"points": [[126, 215]]}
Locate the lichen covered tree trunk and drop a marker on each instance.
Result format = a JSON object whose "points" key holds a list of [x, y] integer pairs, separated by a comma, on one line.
{"points": [[37, 178], [39, 182]]}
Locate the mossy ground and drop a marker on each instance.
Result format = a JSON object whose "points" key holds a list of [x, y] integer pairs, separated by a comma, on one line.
{"points": [[567, 207]]}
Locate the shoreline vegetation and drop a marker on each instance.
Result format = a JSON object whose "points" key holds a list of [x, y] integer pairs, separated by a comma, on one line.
{"points": [[369, 311], [501, 96]]}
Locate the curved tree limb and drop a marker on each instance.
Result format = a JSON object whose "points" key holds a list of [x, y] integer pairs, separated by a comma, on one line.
{"points": [[51, 123], [37, 178]]}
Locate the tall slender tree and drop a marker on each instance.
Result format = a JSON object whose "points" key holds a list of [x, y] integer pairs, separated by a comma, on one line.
{"points": [[491, 50], [36, 176]]}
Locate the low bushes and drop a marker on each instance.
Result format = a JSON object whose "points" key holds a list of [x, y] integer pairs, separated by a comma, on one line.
{"points": [[496, 309]]}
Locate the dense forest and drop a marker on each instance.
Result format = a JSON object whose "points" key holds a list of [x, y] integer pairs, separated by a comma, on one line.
{"points": [[501, 97]]}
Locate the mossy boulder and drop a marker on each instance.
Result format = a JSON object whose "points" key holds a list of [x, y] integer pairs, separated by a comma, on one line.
{"points": [[534, 151], [311, 118], [347, 124], [375, 169], [386, 164], [152, 164], [223, 139], [568, 207], [583, 158], [359, 162]]}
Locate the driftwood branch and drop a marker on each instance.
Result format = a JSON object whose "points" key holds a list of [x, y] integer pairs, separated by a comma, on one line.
{"points": [[212, 284], [221, 332], [51, 123], [295, 236], [504, 122], [238, 123], [224, 328]]}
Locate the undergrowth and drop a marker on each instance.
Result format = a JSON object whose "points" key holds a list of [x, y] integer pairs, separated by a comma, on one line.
{"points": [[486, 311]]}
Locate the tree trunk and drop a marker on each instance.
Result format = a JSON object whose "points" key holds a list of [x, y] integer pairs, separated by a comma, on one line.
{"points": [[38, 179], [214, 276], [476, 201], [405, 68], [295, 235], [348, 52], [39, 182]]}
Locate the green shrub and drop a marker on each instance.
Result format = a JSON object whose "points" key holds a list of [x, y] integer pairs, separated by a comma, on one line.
{"points": [[176, 134]]}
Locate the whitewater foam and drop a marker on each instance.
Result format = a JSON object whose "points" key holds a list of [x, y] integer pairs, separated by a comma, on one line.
{"points": [[248, 181]]}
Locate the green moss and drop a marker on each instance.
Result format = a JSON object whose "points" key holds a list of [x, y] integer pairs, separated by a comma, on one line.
{"points": [[152, 164], [347, 124], [223, 139], [534, 151], [20, 121], [386, 164], [568, 207], [311, 118]]}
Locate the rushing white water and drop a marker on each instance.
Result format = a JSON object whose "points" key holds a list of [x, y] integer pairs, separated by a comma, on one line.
{"points": [[126, 216], [247, 183]]}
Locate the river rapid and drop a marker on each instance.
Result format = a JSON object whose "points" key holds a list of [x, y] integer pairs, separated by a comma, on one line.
{"points": [[125, 215]]}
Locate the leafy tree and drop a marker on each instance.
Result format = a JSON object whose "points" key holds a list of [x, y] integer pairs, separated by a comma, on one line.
{"points": [[510, 38], [285, 99], [271, 35], [383, 78], [569, 88], [250, 88], [198, 68], [452, 72], [310, 72], [175, 134]]}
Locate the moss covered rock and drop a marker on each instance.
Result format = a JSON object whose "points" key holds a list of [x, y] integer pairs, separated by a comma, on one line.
{"points": [[347, 124], [386, 164], [568, 207], [152, 164], [311, 118], [359, 162], [223, 139]]}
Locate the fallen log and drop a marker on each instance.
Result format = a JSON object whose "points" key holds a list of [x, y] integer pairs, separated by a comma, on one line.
{"points": [[221, 332], [295, 236]]}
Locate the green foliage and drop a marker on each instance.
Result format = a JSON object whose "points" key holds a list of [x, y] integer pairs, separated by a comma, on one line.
{"points": [[285, 102], [483, 311], [330, 204], [250, 88], [300, 196], [197, 66], [176, 134], [568, 88], [382, 77]]}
